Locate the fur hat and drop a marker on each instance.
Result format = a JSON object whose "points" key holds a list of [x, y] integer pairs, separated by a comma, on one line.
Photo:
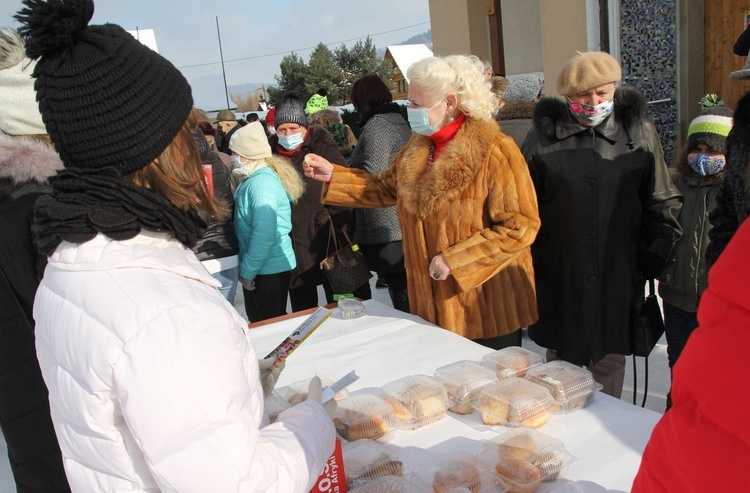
{"points": [[250, 142], [291, 109], [226, 116], [586, 71], [523, 89], [19, 111], [711, 127], [105, 98]]}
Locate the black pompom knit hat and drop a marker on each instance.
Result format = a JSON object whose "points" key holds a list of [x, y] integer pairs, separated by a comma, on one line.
{"points": [[105, 98]]}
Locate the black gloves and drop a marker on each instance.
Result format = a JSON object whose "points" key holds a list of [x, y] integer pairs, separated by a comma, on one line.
{"points": [[650, 265]]}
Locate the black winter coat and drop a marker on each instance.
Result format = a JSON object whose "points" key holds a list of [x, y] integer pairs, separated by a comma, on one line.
{"points": [[24, 406], [310, 226], [605, 198], [515, 120], [219, 240], [732, 200]]}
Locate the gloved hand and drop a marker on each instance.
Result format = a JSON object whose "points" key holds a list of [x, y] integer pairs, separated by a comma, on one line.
{"points": [[315, 393], [248, 284], [268, 377], [650, 265]]}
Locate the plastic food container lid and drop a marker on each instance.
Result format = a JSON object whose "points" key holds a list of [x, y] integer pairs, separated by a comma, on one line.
{"points": [[511, 361], [463, 381], [571, 386], [514, 402], [297, 392], [417, 400], [527, 460], [363, 416], [458, 472], [274, 404], [387, 484], [365, 460]]}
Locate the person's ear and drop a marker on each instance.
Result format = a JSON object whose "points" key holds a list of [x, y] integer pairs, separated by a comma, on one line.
{"points": [[451, 102]]}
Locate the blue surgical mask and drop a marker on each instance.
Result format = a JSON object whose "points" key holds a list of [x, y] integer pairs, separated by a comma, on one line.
{"points": [[290, 142], [706, 165], [419, 120]]}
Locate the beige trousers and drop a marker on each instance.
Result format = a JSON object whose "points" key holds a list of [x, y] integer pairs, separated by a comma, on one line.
{"points": [[609, 371]]}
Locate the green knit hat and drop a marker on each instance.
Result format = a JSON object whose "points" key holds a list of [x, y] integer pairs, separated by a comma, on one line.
{"points": [[711, 126], [317, 102]]}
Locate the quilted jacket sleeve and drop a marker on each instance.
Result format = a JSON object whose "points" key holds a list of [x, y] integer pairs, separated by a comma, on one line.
{"points": [[187, 383]]}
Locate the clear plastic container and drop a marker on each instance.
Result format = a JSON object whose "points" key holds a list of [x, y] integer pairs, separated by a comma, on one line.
{"points": [[274, 405], [458, 472], [571, 386], [363, 416], [514, 402], [417, 400], [528, 461], [511, 362], [365, 460], [351, 308], [387, 484], [463, 381], [297, 392]]}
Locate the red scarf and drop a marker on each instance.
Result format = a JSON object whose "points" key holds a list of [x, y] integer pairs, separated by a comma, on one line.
{"points": [[288, 154], [441, 138]]}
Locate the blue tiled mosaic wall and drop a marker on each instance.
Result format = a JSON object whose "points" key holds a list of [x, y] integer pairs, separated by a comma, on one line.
{"points": [[649, 61]]}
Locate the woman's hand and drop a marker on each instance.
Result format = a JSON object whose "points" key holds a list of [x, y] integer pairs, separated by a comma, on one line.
{"points": [[317, 168], [439, 269]]}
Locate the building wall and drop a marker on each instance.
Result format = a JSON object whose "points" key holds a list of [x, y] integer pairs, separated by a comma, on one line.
{"points": [[563, 24], [649, 61], [459, 27], [522, 36]]}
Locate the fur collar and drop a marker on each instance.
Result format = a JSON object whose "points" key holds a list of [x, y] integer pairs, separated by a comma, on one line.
{"points": [[517, 111], [551, 114], [25, 161], [426, 188]]}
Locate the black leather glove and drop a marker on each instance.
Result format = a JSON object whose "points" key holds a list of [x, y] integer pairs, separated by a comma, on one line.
{"points": [[650, 265]]}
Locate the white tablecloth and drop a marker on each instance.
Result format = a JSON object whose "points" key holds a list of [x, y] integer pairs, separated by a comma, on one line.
{"points": [[607, 437]]}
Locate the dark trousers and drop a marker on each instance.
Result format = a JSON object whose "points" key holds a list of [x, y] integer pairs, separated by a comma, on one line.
{"points": [[501, 342], [268, 299], [307, 296], [678, 325]]}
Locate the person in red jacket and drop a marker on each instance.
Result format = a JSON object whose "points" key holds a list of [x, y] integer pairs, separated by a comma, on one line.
{"points": [[703, 442]]}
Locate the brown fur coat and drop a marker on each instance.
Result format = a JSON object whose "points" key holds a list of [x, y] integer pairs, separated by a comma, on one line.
{"points": [[476, 205]]}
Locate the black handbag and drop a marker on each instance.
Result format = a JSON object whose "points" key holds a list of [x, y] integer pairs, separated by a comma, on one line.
{"points": [[649, 325], [346, 268]]}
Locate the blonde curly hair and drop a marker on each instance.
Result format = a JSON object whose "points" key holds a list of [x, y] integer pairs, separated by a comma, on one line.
{"points": [[459, 74]]}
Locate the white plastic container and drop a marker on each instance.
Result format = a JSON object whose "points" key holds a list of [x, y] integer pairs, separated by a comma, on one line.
{"points": [[571, 386], [463, 381], [417, 400], [514, 402], [363, 416], [511, 362]]}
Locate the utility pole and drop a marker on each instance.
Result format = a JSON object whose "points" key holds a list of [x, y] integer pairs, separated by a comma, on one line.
{"points": [[224, 73]]}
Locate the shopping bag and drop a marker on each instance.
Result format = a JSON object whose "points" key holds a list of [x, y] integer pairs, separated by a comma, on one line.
{"points": [[346, 268], [649, 325]]}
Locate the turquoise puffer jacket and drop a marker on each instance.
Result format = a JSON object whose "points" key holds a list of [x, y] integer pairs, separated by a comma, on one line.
{"points": [[263, 220]]}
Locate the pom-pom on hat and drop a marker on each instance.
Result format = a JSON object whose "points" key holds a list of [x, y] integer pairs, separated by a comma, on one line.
{"points": [[250, 142], [105, 98], [19, 111], [711, 127], [523, 89], [291, 109], [586, 71]]}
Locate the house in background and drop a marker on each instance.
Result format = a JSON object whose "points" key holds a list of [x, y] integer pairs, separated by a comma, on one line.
{"points": [[402, 57]]}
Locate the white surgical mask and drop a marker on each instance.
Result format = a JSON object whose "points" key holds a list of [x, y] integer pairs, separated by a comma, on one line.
{"points": [[419, 120], [272, 130], [236, 163], [291, 141]]}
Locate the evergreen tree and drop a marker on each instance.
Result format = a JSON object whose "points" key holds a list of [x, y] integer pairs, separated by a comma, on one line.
{"points": [[294, 74], [324, 73]]}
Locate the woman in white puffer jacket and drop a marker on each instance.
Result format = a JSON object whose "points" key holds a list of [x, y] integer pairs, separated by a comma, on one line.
{"points": [[154, 385]]}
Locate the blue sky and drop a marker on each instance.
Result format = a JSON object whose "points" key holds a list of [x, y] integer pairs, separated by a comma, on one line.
{"points": [[186, 29]]}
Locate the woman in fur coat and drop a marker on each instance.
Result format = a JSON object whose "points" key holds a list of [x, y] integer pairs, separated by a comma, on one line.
{"points": [[466, 202], [26, 160]]}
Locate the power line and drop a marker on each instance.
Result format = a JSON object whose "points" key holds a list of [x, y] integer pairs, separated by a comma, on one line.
{"points": [[304, 49]]}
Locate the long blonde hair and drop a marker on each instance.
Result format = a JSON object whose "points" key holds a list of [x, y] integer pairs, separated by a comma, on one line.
{"points": [[290, 178]]}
